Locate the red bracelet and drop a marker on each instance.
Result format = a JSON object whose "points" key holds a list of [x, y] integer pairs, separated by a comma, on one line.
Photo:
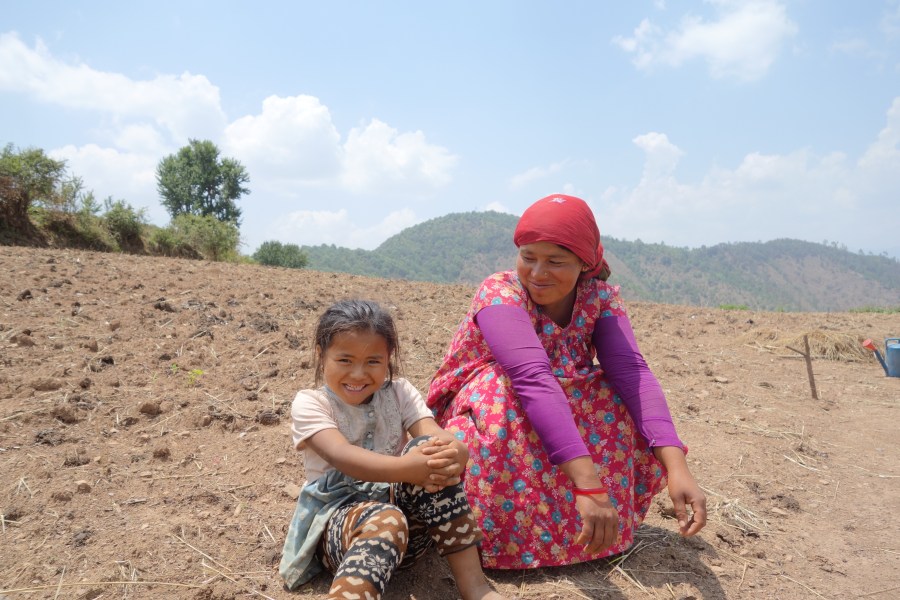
{"points": [[588, 491]]}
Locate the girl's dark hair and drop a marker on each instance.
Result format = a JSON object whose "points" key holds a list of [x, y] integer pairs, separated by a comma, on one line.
{"points": [[356, 315]]}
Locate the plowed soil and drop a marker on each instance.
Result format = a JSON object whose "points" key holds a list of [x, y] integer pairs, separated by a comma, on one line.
{"points": [[145, 449]]}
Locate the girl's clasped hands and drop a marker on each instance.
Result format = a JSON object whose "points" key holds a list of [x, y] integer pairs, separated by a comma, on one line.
{"points": [[437, 464]]}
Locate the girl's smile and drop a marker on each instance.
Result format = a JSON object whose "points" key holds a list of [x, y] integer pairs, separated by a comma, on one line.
{"points": [[355, 365]]}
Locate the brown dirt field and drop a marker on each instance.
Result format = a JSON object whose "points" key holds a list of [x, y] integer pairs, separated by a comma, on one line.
{"points": [[145, 451]]}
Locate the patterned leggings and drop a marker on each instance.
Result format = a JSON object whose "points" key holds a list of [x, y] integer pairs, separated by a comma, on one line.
{"points": [[365, 542]]}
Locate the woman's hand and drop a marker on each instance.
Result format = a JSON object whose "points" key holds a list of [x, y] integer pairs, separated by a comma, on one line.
{"points": [[599, 522], [683, 490], [599, 519]]}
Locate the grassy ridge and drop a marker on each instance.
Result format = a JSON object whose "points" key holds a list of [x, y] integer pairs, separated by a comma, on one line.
{"points": [[782, 274]]}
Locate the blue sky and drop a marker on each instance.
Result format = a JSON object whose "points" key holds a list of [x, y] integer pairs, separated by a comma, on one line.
{"points": [[689, 123]]}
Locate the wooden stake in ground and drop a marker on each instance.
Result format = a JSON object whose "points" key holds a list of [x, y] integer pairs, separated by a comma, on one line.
{"points": [[806, 355]]}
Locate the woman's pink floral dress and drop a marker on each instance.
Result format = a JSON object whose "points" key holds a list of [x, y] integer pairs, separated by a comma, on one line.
{"points": [[523, 503]]}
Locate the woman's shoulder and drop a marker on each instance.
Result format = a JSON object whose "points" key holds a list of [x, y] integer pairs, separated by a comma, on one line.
{"points": [[601, 295], [502, 277], [500, 288], [597, 285]]}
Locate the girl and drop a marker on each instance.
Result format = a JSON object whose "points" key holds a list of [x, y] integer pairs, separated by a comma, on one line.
{"points": [[374, 502]]}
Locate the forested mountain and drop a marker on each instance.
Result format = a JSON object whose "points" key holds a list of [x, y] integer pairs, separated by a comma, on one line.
{"points": [[781, 274], [460, 247]]}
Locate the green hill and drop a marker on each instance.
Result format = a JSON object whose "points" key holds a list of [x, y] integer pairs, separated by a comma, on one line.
{"points": [[456, 248], [782, 274]]}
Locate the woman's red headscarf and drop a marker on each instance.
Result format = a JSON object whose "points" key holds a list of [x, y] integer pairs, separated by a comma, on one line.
{"points": [[566, 221]]}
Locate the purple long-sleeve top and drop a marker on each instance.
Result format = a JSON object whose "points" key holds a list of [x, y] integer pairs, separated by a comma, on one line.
{"points": [[510, 335]]}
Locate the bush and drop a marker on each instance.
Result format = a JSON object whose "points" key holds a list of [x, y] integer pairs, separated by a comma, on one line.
{"points": [[28, 178], [162, 242], [192, 236], [124, 222], [78, 230], [276, 254]]}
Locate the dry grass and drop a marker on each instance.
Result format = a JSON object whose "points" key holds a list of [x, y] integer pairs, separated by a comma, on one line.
{"points": [[731, 512], [844, 347]]}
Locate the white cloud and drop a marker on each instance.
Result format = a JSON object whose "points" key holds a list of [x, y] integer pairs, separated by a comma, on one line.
{"points": [[377, 157], [184, 106], [535, 173], [140, 139], [877, 168], [741, 43], [884, 151], [290, 144], [314, 227], [292, 140], [794, 195], [662, 156]]}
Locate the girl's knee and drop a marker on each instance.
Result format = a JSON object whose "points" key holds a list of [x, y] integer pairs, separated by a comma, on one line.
{"points": [[387, 523]]}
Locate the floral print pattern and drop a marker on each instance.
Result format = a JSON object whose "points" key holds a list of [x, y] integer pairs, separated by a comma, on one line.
{"points": [[523, 503]]}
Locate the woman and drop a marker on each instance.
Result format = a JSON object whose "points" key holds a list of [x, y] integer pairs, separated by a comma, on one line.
{"points": [[565, 453]]}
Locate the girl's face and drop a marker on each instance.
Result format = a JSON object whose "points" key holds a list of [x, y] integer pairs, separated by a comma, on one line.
{"points": [[355, 365], [549, 273]]}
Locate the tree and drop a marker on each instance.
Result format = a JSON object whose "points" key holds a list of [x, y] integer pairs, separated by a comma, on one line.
{"points": [[274, 253], [196, 181], [29, 177]]}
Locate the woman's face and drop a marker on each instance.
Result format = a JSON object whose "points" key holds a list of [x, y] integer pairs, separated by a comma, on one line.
{"points": [[549, 273]]}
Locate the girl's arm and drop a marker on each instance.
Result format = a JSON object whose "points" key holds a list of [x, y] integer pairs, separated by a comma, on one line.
{"points": [[366, 465]]}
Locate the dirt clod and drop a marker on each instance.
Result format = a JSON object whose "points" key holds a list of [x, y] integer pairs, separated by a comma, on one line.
{"points": [[150, 408], [267, 417], [46, 384]]}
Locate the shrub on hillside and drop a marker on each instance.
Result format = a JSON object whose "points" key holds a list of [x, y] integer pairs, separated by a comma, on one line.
{"points": [[124, 222], [276, 254], [162, 241], [28, 178], [193, 236]]}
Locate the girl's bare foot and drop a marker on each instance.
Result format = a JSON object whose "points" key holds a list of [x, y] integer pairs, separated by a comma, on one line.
{"points": [[470, 579]]}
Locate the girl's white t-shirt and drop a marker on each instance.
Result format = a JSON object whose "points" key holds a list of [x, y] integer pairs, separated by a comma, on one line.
{"points": [[380, 426]]}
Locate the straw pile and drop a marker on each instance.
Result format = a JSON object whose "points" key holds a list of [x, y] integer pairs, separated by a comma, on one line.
{"points": [[845, 347]]}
